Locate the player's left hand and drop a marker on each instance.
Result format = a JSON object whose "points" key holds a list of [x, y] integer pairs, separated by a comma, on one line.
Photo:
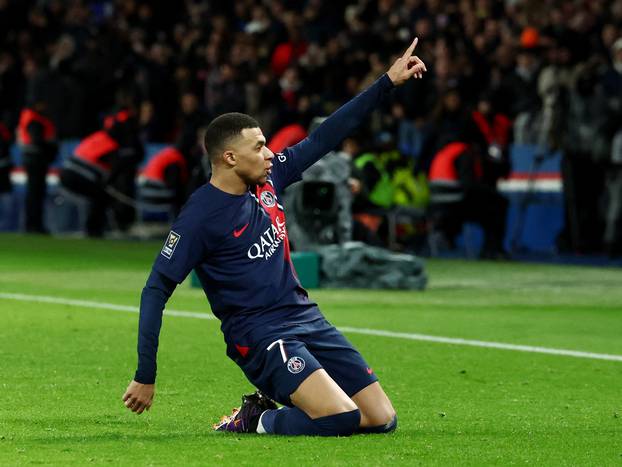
{"points": [[407, 66], [139, 397]]}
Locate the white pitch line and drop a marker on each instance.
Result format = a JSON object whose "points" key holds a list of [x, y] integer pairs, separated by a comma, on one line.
{"points": [[369, 332], [90, 304], [488, 344]]}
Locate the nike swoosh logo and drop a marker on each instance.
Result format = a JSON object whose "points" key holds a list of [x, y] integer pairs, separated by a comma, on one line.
{"points": [[237, 233]]}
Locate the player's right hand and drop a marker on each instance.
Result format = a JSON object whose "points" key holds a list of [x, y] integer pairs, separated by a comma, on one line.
{"points": [[407, 66], [139, 397]]}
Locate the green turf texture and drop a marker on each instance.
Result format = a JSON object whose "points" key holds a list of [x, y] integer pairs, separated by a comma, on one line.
{"points": [[64, 368]]}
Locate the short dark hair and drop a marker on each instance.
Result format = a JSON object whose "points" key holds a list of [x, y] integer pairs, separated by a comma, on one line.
{"points": [[223, 128]]}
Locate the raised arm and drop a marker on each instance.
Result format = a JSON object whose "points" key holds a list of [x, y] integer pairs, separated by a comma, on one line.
{"points": [[343, 121]]}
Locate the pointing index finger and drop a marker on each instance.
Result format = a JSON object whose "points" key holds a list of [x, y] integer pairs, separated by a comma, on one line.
{"points": [[411, 49]]}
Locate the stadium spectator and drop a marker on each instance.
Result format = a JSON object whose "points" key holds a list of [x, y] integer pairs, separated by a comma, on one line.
{"points": [[373, 195], [192, 122], [11, 88], [587, 149], [450, 120], [492, 130], [522, 82]]}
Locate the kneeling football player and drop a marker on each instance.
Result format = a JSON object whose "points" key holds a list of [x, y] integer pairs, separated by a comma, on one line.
{"points": [[232, 233]]}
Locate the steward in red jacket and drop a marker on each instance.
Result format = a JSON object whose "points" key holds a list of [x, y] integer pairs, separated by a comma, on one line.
{"points": [[106, 161], [464, 174], [164, 179], [36, 137]]}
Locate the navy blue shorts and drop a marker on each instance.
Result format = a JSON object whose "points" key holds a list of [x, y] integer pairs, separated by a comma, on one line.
{"points": [[276, 363]]}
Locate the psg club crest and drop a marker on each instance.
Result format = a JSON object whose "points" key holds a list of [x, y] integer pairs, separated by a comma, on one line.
{"points": [[267, 199], [295, 365]]}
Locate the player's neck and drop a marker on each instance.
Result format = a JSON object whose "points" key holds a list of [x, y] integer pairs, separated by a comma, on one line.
{"points": [[229, 183]]}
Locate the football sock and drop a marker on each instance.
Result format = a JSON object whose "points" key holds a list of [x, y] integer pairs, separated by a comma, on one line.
{"points": [[260, 428], [388, 428], [293, 421]]}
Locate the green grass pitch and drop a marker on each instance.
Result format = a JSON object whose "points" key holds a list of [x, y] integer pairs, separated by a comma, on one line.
{"points": [[63, 368]]}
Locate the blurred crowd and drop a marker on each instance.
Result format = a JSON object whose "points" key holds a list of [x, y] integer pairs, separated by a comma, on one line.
{"points": [[536, 72]]}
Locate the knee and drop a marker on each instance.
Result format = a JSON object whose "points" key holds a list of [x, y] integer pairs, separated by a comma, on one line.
{"points": [[381, 415], [342, 424], [388, 416], [388, 427], [391, 425]]}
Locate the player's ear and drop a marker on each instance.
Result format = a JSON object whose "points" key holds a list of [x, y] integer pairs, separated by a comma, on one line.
{"points": [[229, 158]]}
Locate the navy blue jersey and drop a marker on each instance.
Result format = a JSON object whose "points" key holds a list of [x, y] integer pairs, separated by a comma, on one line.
{"points": [[238, 244]]}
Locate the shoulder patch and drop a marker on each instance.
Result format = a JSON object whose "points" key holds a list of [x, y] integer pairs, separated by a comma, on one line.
{"points": [[281, 157], [171, 243]]}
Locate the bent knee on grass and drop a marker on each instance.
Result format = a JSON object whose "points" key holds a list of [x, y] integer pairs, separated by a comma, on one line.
{"points": [[376, 408], [378, 418]]}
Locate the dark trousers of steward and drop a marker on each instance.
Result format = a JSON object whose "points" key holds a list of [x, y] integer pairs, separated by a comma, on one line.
{"points": [[36, 162]]}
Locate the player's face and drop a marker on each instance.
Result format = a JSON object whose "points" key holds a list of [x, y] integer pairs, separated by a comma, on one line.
{"points": [[254, 159]]}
